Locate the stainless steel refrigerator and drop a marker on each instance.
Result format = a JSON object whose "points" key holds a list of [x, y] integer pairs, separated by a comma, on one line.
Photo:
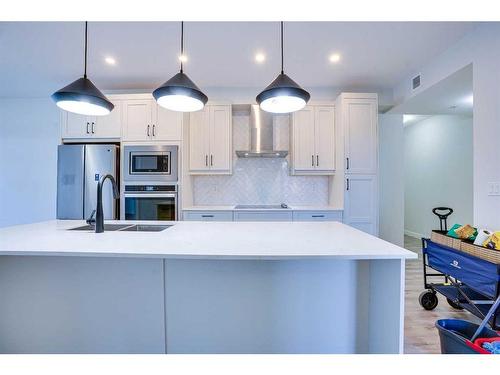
{"points": [[79, 168]]}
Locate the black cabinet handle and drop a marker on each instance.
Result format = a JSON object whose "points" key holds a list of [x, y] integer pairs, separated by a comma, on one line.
{"points": [[207, 215], [317, 160], [148, 130], [211, 160], [92, 128], [347, 167], [312, 160], [88, 128], [206, 160], [318, 215], [348, 184], [153, 130]]}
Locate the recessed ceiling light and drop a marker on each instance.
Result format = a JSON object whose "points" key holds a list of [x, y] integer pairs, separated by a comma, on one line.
{"points": [[408, 118], [260, 57], [183, 58], [110, 61], [334, 58]]}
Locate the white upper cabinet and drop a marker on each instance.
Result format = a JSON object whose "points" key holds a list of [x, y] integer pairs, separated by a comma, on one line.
{"points": [[313, 140], [109, 126], [324, 132], [359, 117], [210, 140], [220, 138], [137, 120], [199, 141], [168, 125], [303, 140], [76, 126], [79, 126], [144, 120]]}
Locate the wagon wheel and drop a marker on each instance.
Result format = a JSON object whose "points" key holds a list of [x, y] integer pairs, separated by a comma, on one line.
{"points": [[454, 304], [428, 300]]}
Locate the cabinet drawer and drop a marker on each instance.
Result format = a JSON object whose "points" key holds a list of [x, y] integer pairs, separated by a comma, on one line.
{"points": [[317, 216], [262, 216], [208, 215]]}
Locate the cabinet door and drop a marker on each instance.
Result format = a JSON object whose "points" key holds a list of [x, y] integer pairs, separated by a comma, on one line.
{"points": [[360, 127], [168, 125], [199, 140], [317, 216], [75, 126], [208, 215], [304, 158], [109, 126], [360, 203], [137, 120], [324, 133], [220, 138]]}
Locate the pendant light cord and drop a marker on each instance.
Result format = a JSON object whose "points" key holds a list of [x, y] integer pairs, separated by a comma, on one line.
{"points": [[182, 44], [85, 69], [281, 47]]}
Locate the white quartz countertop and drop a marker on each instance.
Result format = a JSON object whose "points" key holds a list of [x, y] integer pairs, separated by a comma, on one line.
{"points": [[290, 208], [202, 240]]}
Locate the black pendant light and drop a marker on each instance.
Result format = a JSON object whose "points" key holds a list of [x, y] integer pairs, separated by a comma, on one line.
{"points": [[179, 93], [283, 95], [81, 96]]}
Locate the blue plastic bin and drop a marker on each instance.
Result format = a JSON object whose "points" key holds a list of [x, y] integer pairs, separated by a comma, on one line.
{"points": [[455, 335]]}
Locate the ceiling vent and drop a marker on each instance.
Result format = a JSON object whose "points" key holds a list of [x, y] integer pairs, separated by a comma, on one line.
{"points": [[415, 82]]}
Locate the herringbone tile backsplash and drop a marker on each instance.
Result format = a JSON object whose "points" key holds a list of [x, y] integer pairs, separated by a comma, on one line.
{"points": [[260, 181]]}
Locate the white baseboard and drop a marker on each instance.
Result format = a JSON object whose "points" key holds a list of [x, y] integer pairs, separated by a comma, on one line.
{"points": [[413, 234]]}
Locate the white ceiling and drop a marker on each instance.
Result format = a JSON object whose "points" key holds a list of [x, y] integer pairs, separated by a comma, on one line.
{"points": [[39, 58], [450, 96]]}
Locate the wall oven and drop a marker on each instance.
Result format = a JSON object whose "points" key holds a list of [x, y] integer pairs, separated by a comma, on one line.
{"points": [[150, 202], [150, 163]]}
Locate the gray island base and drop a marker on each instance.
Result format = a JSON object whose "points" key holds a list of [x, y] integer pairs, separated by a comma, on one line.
{"points": [[200, 288]]}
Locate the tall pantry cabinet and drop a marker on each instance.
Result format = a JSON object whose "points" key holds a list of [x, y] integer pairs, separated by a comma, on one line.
{"points": [[357, 115]]}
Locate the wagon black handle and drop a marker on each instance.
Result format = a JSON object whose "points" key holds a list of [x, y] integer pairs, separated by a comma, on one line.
{"points": [[442, 213]]}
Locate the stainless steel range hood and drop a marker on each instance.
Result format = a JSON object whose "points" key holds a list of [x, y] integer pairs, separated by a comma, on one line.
{"points": [[261, 136]]}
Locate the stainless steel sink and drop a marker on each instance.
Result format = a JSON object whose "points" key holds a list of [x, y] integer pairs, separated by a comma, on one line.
{"points": [[107, 227], [145, 228], [126, 227]]}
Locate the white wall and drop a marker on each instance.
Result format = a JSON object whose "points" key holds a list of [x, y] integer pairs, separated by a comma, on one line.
{"points": [[438, 172], [481, 48], [29, 134], [391, 178]]}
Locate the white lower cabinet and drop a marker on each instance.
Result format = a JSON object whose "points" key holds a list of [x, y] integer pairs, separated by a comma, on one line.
{"points": [[263, 216], [360, 203], [208, 215], [317, 216], [260, 215]]}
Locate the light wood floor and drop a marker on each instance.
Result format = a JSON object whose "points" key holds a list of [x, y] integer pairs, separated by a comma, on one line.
{"points": [[420, 334]]}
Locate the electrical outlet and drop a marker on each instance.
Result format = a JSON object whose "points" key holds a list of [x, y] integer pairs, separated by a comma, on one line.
{"points": [[493, 188]]}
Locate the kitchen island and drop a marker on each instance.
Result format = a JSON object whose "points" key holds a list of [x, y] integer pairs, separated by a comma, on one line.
{"points": [[200, 287]]}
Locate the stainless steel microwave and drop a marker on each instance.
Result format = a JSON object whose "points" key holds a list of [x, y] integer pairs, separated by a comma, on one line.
{"points": [[150, 163]]}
